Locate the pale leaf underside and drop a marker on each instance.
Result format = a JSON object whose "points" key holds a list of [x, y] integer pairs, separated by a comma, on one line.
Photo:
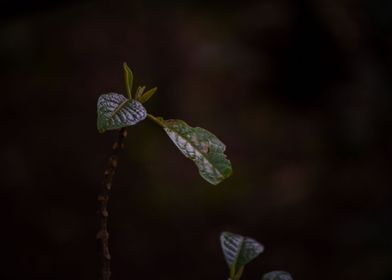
{"points": [[202, 147], [239, 250], [277, 275], [116, 111]]}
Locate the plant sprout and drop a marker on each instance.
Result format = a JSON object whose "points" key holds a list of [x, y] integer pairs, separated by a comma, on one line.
{"points": [[117, 112]]}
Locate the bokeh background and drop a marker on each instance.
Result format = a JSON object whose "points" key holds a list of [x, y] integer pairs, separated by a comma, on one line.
{"points": [[300, 91]]}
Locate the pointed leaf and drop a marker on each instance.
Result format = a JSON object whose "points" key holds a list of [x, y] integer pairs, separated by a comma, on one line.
{"points": [[239, 250], [115, 111], [201, 146], [139, 92], [147, 95], [277, 275], [128, 77]]}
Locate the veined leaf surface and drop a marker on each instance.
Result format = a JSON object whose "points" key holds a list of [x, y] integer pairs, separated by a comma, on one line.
{"points": [[239, 250], [277, 275], [202, 147], [116, 111]]}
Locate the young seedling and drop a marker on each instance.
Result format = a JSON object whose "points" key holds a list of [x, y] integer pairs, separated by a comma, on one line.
{"points": [[239, 250], [117, 112]]}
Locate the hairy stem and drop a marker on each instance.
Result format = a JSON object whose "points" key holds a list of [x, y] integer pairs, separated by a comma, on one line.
{"points": [[103, 198]]}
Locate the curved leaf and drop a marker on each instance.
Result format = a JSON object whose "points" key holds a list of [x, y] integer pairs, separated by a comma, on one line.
{"points": [[277, 275], [147, 95], [239, 250], [115, 111], [139, 93], [128, 77], [201, 146]]}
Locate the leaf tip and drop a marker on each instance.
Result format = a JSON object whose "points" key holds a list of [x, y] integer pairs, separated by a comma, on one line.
{"points": [[147, 95], [128, 76], [125, 66]]}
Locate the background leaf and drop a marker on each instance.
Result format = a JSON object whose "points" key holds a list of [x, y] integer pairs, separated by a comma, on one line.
{"points": [[201, 146], [239, 250], [116, 111], [277, 275]]}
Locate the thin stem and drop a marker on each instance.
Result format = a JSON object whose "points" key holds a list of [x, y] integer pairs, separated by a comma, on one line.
{"points": [[156, 120], [103, 198]]}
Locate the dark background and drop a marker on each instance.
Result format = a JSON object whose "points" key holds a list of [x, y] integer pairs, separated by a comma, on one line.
{"points": [[300, 91]]}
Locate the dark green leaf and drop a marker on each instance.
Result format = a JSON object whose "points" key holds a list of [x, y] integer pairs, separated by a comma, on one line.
{"points": [[115, 111], [277, 275], [128, 76], [239, 250], [201, 146], [147, 95]]}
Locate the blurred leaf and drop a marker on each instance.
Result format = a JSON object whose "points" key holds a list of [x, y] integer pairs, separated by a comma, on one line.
{"points": [[147, 95], [128, 76], [139, 92], [239, 250], [277, 275], [115, 111], [201, 146], [236, 275]]}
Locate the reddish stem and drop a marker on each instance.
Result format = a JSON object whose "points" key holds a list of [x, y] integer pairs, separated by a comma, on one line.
{"points": [[103, 198]]}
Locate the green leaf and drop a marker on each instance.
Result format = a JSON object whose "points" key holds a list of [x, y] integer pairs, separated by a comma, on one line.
{"points": [[139, 92], [277, 275], [128, 77], [115, 111], [236, 275], [201, 146], [147, 95], [239, 250]]}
